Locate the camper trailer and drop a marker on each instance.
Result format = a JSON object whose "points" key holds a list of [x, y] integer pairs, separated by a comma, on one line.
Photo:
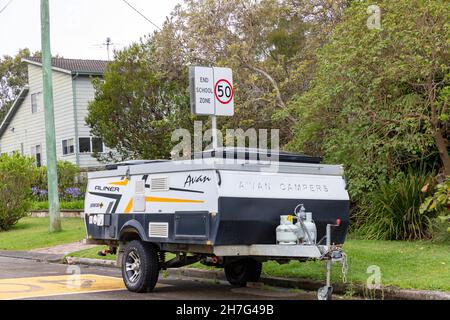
{"points": [[230, 208]]}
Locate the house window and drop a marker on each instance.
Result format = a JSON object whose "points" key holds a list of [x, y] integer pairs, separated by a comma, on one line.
{"points": [[68, 147], [37, 152], [97, 145], [85, 145], [36, 102]]}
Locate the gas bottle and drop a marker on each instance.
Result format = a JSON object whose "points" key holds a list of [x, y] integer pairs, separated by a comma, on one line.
{"points": [[287, 231], [310, 226]]}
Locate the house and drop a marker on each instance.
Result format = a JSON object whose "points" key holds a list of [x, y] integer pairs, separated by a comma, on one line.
{"points": [[23, 128]]}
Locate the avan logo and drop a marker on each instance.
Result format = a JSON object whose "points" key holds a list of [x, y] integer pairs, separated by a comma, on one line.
{"points": [[193, 180], [109, 189]]}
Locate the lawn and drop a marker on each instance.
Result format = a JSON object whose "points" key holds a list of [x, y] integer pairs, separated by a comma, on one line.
{"points": [[33, 233], [412, 265]]}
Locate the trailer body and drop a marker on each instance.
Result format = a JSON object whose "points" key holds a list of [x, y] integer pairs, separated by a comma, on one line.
{"points": [[208, 204]]}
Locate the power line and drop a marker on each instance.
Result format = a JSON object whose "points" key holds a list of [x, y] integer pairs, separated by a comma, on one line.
{"points": [[141, 14], [6, 6]]}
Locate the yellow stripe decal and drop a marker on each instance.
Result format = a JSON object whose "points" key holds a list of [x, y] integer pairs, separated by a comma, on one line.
{"points": [[171, 200], [129, 206], [120, 183]]}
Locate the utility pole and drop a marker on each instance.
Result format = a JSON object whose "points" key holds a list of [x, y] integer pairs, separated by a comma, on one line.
{"points": [[53, 199]]}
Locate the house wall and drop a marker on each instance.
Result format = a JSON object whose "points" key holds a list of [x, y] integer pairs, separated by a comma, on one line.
{"points": [[29, 128], [84, 93]]}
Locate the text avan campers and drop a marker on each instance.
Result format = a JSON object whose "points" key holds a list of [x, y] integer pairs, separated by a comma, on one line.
{"points": [[289, 187]]}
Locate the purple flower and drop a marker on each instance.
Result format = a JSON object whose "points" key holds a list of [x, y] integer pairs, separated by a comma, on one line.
{"points": [[73, 192]]}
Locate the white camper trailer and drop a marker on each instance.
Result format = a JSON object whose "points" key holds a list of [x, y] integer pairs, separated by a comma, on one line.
{"points": [[232, 208]]}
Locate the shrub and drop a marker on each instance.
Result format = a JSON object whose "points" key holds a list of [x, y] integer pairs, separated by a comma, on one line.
{"points": [[64, 205], [16, 175], [70, 183], [439, 203], [391, 211]]}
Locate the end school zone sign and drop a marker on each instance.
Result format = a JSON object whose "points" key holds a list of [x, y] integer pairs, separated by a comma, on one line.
{"points": [[212, 91]]}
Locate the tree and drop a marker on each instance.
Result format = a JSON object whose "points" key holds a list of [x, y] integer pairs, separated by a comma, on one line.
{"points": [[13, 77], [269, 44], [379, 100], [136, 107]]}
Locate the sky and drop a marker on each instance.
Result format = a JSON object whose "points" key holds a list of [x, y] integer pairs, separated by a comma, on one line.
{"points": [[79, 28]]}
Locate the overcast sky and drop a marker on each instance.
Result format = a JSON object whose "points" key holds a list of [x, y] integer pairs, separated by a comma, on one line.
{"points": [[79, 27]]}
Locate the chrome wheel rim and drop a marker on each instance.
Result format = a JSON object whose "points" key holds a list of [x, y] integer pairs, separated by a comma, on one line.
{"points": [[133, 266]]}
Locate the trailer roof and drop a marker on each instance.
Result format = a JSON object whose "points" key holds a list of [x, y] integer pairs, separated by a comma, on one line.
{"points": [[257, 154]]}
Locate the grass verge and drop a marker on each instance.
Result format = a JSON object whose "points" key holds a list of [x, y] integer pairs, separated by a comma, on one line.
{"points": [[410, 265], [33, 233]]}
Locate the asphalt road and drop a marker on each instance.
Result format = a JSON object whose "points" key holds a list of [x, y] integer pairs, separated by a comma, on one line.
{"points": [[28, 279]]}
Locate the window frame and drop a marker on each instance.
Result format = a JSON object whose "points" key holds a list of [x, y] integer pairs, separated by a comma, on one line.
{"points": [[91, 145], [79, 145], [35, 96], [67, 147], [34, 152]]}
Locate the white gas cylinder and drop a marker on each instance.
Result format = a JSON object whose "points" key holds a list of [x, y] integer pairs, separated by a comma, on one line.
{"points": [[287, 231]]}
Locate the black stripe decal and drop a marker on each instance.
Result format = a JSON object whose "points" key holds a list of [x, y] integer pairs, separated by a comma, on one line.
{"points": [[186, 190], [116, 197], [108, 210]]}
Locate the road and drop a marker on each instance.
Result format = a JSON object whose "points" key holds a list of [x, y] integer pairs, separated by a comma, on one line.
{"points": [[28, 279]]}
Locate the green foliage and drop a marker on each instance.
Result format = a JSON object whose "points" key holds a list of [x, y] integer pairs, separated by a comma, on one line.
{"points": [[136, 109], [370, 106], [16, 174], [64, 205], [269, 44], [391, 211], [69, 177], [439, 203]]}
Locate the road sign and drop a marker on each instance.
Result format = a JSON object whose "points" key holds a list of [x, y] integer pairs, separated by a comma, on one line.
{"points": [[224, 91], [212, 91], [201, 80]]}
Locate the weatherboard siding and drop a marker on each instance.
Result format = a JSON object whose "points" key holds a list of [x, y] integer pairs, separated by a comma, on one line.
{"points": [[85, 93], [29, 128]]}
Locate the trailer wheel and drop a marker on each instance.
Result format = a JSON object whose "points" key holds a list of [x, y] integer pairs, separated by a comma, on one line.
{"points": [[140, 266], [240, 272]]}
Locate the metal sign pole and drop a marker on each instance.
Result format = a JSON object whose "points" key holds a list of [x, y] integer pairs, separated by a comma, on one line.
{"points": [[214, 131]]}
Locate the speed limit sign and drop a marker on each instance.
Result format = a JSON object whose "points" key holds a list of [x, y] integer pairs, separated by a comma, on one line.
{"points": [[223, 91], [212, 91]]}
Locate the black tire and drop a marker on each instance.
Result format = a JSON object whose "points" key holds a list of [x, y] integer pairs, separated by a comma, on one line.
{"points": [[143, 258], [240, 272]]}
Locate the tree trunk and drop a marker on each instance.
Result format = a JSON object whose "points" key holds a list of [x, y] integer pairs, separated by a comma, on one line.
{"points": [[443, 151]]}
